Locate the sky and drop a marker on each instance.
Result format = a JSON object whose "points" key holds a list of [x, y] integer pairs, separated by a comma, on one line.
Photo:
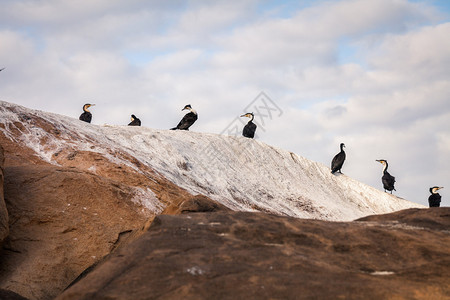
{"points": [[374, 75]]}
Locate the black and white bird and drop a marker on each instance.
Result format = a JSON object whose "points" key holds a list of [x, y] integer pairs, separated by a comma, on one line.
{"points": [[387, 179], [338, 160], [435, 199], [187, 120], [86, 116], [134, 121], [250, 128]]}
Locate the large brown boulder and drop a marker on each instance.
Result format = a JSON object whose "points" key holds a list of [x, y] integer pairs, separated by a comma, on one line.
{"points": [[4, 229], [62, 221], [237, 255]]}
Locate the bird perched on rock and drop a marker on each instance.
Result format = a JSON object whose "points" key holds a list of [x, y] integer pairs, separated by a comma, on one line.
{"points": [[134, 121], [250, 128], [187, 120], [338, 160], [387, 179], [435, 199], [86, 116]]}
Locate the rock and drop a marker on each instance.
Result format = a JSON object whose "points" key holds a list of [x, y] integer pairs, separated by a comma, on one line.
{"points": [[62, 221], [239, 255], [4, 229], [434, 218], [199, 203], [242, 174], [8, 295]]}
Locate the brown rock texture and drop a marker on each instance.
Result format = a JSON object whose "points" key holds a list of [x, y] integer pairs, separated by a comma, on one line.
{"points": [[433, 218], [4, 228], [237, 255], [63, 219], [197, 203]]}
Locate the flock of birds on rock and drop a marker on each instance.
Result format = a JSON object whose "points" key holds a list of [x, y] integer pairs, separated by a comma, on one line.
{"points": [[434, 200], [249, 130], [186, 122]]}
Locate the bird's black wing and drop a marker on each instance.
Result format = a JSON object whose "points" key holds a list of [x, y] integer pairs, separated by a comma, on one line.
{"points": [[337, 162], [434, 200], [187, 121], [135, 122], [249, 130], [86, 117], [388, 181]]}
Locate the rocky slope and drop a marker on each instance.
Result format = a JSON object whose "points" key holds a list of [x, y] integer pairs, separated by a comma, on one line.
{"points": [[243, 174], [76, 192]]}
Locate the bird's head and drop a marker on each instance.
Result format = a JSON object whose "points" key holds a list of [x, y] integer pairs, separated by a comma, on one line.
{"points": [[133, 117], [87, 105], [188, 107], [382, 161], [434, 189], [248, 115], [342, 145]]}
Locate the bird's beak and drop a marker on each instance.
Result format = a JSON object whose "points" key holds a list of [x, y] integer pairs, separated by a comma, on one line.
{"points": [[92, 104], [378, 160], [243, 115], [441, 187]]}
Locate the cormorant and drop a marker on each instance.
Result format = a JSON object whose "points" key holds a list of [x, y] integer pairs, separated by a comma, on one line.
{"points": [[250, 128], [338, 161], [86, 116], [435, 199], [187, 120], [387, 179], [134, 121]]}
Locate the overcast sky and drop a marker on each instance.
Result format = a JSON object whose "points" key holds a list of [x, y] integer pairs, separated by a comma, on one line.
{"points": [[373, 74]]}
